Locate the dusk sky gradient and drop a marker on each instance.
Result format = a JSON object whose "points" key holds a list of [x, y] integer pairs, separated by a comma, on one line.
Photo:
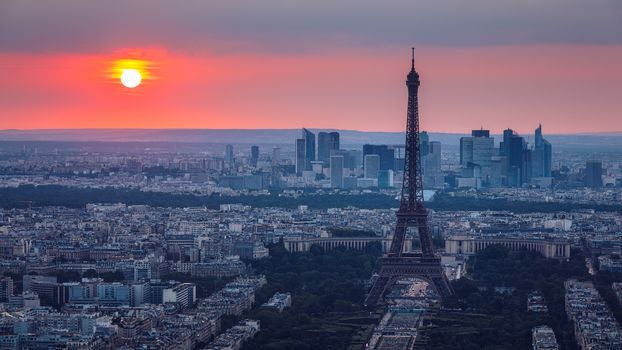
{"points": [[318, 64]]}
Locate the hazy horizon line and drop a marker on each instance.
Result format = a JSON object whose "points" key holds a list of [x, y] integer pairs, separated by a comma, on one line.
{"points": [[288, 129]]}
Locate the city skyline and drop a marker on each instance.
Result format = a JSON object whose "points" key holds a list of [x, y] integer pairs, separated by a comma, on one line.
{"points": [[278, 174], [537, 67]]}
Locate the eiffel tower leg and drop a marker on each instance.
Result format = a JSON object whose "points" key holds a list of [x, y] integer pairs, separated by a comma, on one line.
{"points": [[441, 283], [397, 244], [378, 289]]}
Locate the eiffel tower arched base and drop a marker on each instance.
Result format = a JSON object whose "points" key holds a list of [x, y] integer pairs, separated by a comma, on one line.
{"points": [[428, 269]]}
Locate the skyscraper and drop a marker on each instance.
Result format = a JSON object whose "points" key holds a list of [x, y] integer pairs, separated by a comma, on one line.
{"points": [[480, 133], [519, 161], [305, 151], [504, 149], [300, 156], [466, 151], [385, 179], [309, 138], [254, 156], [424, 140], [593, 173], [336, 171], [527, 168], [386, 154], [515, 148], [432, 172], [371, 164], [326, 142], [276, 155], [398, 152], [483, 147], [355, 159], [542, 155], [229, 153], [476, 153]]}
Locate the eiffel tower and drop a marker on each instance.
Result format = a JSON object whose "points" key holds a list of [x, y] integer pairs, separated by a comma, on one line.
{"points": [[411, 214]]}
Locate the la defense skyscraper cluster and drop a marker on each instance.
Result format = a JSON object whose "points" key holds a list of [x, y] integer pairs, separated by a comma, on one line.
{"points": [[513, 164]]}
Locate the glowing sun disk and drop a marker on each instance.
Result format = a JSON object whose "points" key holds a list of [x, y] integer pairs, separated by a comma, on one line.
{"points": [[130, 78], [131, 72]]}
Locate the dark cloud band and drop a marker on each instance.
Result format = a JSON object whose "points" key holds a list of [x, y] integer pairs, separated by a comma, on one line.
{"points": [[293, 25]]}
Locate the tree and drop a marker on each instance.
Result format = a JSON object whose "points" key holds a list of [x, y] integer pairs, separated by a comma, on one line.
{"points": [[116, 276], [90, 273]]}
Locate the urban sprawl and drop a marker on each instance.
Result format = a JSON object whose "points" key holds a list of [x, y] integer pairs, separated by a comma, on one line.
{"points": [[125, 275]]}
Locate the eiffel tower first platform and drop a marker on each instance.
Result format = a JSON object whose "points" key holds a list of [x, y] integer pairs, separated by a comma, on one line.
{"points": [[411, 214]]}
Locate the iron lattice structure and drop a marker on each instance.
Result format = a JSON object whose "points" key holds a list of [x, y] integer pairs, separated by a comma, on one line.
{"points": [[411, 214]]}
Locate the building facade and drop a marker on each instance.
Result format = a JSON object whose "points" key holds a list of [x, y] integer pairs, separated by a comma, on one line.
{"points": [[470, 245], [326, 142]]}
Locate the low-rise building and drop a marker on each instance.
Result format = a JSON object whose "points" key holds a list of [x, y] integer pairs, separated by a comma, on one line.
{"points": [[471, 244], [543, 338], [279, 301], [610, 262], [595, 327]]}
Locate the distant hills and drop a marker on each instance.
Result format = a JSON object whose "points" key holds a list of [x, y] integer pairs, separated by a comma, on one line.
{"points": [[604, 140]]}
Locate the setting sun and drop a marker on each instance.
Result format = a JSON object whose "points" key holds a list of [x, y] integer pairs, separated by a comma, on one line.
{"points": [[130, 78], [131, 72]]}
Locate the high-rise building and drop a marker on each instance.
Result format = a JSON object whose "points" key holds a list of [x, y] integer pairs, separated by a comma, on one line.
{"points": [[480, 133], [593, 173], [504, 157], [371, 164], [466, 151], [305, 151], [519, 160], [477, 149], [326, 142], [476, 152], [352, 159], [276, 155], [504, 149], [386, 154], [355, 159], [399, 153], [385, 179], [542, 155], [229, 153], [254, 156], [516, 148], [300, 156], [432, 172], [527, 169], [424, 140], [483, 148], [309, 138], [336, 171]]}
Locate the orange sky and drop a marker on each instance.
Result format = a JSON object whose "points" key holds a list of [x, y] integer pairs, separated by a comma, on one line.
{"points": [[568, 88]]}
